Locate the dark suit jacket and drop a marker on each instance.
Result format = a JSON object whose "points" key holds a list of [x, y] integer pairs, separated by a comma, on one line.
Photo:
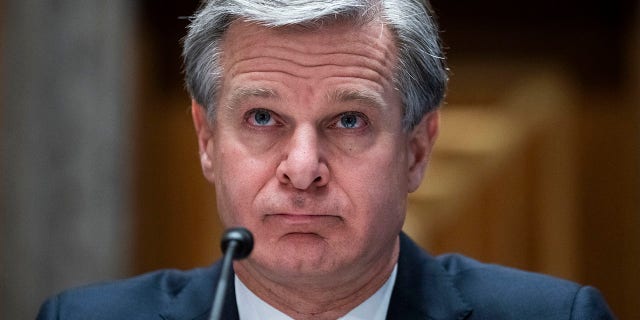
{"points": [[446, 287]]}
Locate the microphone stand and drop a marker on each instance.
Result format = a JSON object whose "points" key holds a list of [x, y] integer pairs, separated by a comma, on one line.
{"points": [[236, 243]]}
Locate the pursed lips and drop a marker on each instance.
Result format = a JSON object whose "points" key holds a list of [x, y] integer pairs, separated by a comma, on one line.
{"points": [[303, 222]]}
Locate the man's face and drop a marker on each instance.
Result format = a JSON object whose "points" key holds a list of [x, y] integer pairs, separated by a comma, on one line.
{"points": [[307, 149]]}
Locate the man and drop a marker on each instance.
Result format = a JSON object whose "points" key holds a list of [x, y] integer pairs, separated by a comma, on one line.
{"points": [[314, 121]]}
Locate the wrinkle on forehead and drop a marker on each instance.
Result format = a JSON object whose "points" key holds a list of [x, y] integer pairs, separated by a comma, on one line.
{"points": [[371, 46], [334, 63]]}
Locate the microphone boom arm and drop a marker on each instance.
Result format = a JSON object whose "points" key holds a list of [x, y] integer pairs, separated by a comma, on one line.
{"points": [[237, 243]]}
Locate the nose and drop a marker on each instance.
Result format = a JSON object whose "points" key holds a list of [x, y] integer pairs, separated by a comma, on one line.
{"points": [[303, 165]]}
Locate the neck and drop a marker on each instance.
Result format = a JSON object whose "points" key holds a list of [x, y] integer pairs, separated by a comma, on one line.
{"points": [[318, 299]]}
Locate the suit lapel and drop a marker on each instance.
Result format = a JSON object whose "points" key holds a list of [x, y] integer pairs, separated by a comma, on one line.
{"points": [[230, 309], [193, 300], [423, 289]]}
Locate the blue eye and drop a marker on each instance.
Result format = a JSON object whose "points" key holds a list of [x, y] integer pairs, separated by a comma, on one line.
{"points": [[348, 121], [260, 117], [351, 120]]}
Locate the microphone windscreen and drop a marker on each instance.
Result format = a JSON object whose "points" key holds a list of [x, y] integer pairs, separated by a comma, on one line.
{"points": [[243, 239]]}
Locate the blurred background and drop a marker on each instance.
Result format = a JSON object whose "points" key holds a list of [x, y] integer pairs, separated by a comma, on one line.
{"points": [[537, 165]]}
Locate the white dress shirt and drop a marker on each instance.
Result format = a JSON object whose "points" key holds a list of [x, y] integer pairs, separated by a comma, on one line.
{"points": [[250, 307]]}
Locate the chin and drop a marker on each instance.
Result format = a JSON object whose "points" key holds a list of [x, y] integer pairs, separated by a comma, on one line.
{"points": [[299, 259]]}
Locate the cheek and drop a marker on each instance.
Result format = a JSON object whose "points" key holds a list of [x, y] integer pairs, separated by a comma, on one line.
{"points": [[378, 187], [239, 178]]}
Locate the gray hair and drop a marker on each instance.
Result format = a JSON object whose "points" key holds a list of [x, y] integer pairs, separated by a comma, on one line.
{"points": [[421, 74]]}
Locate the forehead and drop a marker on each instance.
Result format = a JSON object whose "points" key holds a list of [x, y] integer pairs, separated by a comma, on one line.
{"points": [[342, 53], [373, 39]]}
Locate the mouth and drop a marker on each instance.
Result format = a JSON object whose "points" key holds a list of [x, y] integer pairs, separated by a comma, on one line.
{"points": [[300, 218], [302, 223]]}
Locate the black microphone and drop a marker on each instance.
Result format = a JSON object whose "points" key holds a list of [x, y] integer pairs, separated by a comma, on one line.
{"points": [[236, 243]]}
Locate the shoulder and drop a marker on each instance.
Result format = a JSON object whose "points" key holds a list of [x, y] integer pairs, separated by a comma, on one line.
{"points": [[138, 297], [472, 276], [489, 291], [500, 292]]}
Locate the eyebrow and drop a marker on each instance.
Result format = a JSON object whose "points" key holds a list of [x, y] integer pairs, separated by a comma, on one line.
{"points": [[366, 97], [342, 95], [241, 94]]}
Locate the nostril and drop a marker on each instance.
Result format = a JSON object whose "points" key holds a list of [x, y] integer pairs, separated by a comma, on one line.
{"points": [[318, 179]]}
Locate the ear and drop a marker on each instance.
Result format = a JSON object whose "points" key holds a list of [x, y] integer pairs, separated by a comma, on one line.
{"points": [[421, 140], [204, 134]]}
